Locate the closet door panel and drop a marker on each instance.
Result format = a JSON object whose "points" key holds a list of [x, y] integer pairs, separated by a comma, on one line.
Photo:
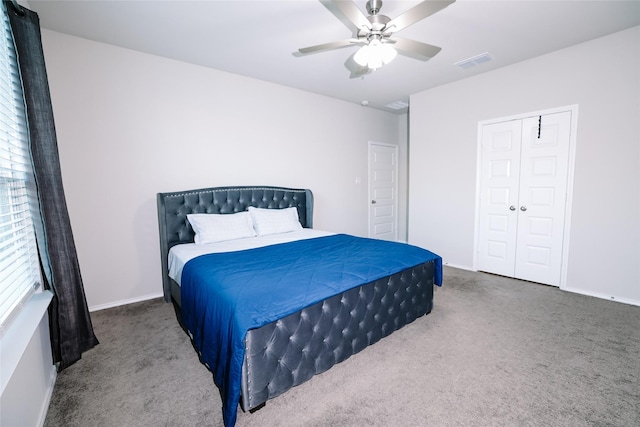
{"points": [[542, 197], [499, 197]]}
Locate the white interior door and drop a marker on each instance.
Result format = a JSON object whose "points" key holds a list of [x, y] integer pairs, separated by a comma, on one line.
{"points": [[523, 196], [383, 191], [543, 194], [500, 175]]}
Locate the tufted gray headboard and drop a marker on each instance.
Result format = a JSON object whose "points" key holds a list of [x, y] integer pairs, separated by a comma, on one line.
{"points": [[174, 207]]}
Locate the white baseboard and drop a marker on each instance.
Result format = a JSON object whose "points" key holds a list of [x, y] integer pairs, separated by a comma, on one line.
{"points": [[602, 296], [125, 302], [571, 289], [460, 267]]}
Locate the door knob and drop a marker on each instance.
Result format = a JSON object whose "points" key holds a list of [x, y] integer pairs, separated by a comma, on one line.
{"points": [[523, 208], [512, 208], [373, 202]]}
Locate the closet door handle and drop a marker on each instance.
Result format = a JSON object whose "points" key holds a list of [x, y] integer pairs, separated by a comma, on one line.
{"points": [[512, 208], [523, 208]]}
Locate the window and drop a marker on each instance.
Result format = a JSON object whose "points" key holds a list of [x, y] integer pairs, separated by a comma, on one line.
{"points": [[19, 267]]}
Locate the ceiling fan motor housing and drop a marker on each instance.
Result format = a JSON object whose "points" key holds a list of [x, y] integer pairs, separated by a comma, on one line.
{"points": [[378, 22], [374, 6]]}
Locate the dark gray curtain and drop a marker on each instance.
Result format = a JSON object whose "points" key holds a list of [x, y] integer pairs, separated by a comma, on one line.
{"points": [[69, 320]]}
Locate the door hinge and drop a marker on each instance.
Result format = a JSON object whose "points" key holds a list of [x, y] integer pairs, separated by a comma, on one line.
{"points": [[539, 126]]}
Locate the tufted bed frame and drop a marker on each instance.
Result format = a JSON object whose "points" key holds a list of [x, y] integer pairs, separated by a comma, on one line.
{"points": [[350, 321]]}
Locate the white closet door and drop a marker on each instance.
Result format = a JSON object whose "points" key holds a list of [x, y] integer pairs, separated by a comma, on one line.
{"points": [[523, 196], [542, 197], [499, 179]]}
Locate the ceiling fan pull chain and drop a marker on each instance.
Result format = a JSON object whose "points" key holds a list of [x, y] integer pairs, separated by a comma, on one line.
{"points": [[539, 125]]}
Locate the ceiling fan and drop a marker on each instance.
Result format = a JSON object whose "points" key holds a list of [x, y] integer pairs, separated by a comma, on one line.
{"points": [[375, 34]]}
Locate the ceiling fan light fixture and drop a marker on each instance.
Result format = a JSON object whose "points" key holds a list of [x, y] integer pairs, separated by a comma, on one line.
{"points": [[387, 52], [375, 54], [362, 55]]}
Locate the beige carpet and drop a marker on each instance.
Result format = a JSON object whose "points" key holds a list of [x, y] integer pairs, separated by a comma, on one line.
{"points": [[494, 352]]}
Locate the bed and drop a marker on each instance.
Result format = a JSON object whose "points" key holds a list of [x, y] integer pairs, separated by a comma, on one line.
{"points": [[303, 299]]}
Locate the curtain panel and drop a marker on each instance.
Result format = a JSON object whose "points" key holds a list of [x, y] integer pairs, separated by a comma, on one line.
{"points": [[69, 320]]}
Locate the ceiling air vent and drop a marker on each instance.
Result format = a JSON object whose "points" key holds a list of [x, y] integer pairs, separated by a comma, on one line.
{"points": [[398, 105], [474, 60]]}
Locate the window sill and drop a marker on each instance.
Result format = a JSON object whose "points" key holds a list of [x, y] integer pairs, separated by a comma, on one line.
{"points": [[19, 333]]}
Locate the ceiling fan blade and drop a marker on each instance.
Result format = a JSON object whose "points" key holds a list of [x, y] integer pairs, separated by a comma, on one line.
{"points": [[415, 49], [326, 46], [348, 13], [415, 14]]}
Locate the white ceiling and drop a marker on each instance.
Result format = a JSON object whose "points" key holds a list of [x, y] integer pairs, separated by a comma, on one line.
{"points": [[257, 38]]}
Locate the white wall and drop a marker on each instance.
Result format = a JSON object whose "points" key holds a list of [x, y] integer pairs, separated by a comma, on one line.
{"points": [[130, 125], [27, 374], [602, 76]]}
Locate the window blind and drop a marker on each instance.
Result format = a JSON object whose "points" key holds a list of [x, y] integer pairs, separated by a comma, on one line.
{"points": [[19, 267]]}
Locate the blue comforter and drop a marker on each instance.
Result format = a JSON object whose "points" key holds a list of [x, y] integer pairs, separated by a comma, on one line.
{"points": [[226, 294]]}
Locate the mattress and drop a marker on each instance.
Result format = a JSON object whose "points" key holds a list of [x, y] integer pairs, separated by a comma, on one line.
{"points": [[179, 255]]}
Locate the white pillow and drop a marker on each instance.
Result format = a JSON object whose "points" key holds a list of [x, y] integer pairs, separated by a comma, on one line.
{"points": [[211, 228], [274, 221]]}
